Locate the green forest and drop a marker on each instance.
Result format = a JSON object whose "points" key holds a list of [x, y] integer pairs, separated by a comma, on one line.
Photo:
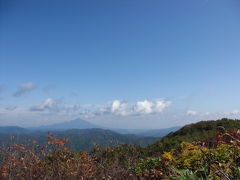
{"points": [[204, 150]]}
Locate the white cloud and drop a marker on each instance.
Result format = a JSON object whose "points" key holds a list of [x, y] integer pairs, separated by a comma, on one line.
{"points": [[52, 110], [148, 107], [144, 107], [159, 106], [139, 113], [57, 106], [48, 104], [235, 112], [191, 113], [123, 108], [119, 108], [24, 88]]}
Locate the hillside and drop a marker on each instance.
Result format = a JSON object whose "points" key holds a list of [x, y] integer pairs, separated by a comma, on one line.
{"points": [[78, 139], [204, 150], [193, 132]]}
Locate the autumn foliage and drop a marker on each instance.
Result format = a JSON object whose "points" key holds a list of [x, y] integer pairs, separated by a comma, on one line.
{"points": [[217, 157]]}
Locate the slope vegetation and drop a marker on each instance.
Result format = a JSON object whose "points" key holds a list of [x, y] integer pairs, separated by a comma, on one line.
{"points": [[193, 132]]}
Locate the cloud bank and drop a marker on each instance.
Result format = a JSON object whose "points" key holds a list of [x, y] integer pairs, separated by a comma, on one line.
{"points": [[116, 107], [123, 108], [117, 113], [53, 110], [48, 104], [191, 112]]}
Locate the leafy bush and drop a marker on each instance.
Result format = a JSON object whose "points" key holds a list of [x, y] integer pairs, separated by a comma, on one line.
{"points": [[217, 157]]}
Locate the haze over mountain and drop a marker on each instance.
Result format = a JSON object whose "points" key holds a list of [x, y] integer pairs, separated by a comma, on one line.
{"points": [[73, 124], [13, 130], [82, 124], [148, 132], [89, 134], [78, 139]]}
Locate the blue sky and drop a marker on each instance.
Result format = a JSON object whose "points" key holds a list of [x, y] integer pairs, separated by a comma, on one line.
{"points": [[119, 63]]}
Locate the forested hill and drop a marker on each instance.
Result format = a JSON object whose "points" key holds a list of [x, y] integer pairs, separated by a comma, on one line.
{"points": [[78, 139], [87, 138], [184, 154], [193, 132], [203, 129]]}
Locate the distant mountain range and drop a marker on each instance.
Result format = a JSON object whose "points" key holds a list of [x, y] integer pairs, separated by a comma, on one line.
{"points": [[74, 124], [79, 139], [13, 130], [82, 134], [147, 132], [81, 124]]}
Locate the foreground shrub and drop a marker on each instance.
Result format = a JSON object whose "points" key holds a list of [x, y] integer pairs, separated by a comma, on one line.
{"points": [[52, 161], [197, 159], [215, 158], [149, 168]]}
